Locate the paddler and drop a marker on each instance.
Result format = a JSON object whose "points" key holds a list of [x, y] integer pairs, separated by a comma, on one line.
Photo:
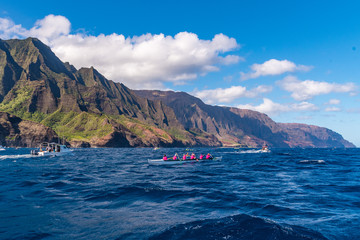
{"points": [[184, 156], [201, 157], [165, 157], [208, 156], [176, 157], [193, 157]]}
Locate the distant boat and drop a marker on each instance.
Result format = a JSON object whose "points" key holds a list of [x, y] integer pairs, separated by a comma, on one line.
{"points": [[51, 149], [265, 149], [2, 148]]}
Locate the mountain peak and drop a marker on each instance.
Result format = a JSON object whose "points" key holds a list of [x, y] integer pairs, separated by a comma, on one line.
{"points": [[32, 55]]}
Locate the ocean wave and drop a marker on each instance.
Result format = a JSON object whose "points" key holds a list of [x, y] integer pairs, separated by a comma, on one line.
{"points": [[247, 151], [238, 227], [313, 161], [133, 192], [17, 156], [33, 235], [252, 151]]}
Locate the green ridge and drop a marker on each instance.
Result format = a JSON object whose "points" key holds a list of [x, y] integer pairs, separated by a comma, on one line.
{"points": [[18, 104]]}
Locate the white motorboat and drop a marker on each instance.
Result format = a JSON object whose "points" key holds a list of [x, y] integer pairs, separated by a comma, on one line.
{"points": [[2, 148], [51, 149], [265, 149]]}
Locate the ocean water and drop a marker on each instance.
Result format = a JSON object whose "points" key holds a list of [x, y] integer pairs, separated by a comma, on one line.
{"points": [[116, 194]]}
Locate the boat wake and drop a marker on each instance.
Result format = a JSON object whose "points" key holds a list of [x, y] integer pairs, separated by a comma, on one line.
{"points": [[238, 227], [253, 151], [313, 161], [17, 156]]}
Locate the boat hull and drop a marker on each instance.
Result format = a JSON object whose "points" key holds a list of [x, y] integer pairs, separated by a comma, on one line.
{"points": [[174, 162], [46, 153]]}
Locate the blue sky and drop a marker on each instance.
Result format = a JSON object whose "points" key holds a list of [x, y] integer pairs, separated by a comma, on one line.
{"points": [[297, 61]]}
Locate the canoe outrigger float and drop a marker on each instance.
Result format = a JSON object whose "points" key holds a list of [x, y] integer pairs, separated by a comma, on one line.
{"points": [[51, 149], [170, 162]]}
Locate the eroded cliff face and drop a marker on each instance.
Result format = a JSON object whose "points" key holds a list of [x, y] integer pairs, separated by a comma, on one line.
{"points": [[233, 126], [302, 135], [230, 126], [15, 132], [31, 73], [121, 136]]}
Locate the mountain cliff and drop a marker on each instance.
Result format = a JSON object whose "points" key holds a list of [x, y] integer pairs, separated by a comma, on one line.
{"points": [[302, 135], [89, 110], [49, 85], [36, 85], [233, 126], [15, 132]]}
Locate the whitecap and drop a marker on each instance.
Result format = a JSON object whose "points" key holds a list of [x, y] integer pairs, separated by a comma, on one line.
{"points": [[312, 161]]}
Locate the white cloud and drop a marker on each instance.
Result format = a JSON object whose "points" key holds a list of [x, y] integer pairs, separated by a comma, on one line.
{"points": [[227, 95], [304, 90], [47, 29], [303, 106], [8, 29], [50, 28], [332, 109], [273, 67], [333, 102], [142, 61], [271, 108]]}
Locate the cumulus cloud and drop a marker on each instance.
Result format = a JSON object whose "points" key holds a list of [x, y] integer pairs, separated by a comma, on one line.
{"points": [[273, 67], [8, 29], [333, 102], [269, 107], [272, 108], [227, 95], [50, 28], [332, 109], [142, 61], [304, 90], [46, 29], [303, 106]]}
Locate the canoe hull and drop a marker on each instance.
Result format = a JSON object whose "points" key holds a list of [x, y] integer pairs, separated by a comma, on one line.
{"points": [[173, 162]]}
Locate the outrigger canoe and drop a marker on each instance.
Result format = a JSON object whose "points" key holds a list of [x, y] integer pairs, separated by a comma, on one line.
{"points": [[170, 162]]}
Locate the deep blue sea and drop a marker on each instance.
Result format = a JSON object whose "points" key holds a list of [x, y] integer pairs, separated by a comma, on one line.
{"points": [[116, 194]]}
